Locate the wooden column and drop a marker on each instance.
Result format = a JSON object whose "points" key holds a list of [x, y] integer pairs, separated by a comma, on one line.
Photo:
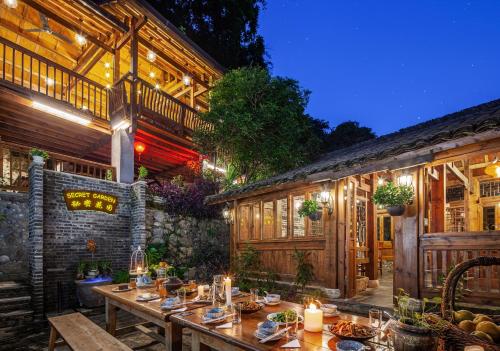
{"points": [[371, 232], [330, 241], [438, 199], [134, 64], [341, 237], [406, 240]]}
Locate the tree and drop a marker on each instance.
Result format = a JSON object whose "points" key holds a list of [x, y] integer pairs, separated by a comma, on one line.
{"points": [[347, 134], [226, 29], [258, 124]]}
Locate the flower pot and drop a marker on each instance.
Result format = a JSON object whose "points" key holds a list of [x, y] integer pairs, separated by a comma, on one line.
{"points": [[407, 337], [38, 159], [316, 216], [396, 210]]}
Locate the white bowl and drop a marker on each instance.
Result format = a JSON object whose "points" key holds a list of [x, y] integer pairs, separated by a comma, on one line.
{"points": [[329, 308], [273, 297]]}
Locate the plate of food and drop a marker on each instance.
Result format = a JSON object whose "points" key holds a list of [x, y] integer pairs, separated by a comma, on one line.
{"points": [[248, 307], [121, 288], [351, 331], [185, 289], [282, 317], [145, 297]]}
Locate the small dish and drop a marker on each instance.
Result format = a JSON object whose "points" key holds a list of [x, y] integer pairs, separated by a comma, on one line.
{"points": [[267, 327], [118, 290], [272, 298], [271, 303], [349, 345], [329, 308], [147, 297], [215, 312]]}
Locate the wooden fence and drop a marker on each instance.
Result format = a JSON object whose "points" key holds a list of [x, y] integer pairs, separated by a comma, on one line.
{"points": [[439, 252]]}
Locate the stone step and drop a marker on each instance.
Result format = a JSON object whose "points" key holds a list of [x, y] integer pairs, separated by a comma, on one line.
{"points": [[13, 289], [10, 304], [15, 318]]}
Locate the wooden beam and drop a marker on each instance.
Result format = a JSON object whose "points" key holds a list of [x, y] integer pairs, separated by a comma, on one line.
{"points": [[434, 173], [66, 24], [127, 36], [458, 174], [183, 92]]}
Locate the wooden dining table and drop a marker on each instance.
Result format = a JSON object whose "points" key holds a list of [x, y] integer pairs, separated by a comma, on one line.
{"points": [[148, 311], [241, 336]]}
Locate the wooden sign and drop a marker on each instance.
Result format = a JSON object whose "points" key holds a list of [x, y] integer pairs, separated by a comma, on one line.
{"points": [[87, 200]]}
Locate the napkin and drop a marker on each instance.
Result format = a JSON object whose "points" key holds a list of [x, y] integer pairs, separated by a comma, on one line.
{"points": [[225, 326], [180, 309], [294, 344]]}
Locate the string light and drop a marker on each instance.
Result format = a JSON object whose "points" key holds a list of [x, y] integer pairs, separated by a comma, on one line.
{"points": [[107, 74], [107, 65], [108, 86], [80, 39], [157, 86], [186, 79], [152, 74], [10, 3], [49, 81], [151, 56]]}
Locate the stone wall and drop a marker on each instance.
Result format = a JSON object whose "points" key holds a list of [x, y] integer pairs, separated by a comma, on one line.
{"points": [[66, 232], [13, 236], [199, 244]]}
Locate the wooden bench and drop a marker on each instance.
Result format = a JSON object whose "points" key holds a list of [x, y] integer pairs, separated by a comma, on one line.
{"points": [[80, 333]]}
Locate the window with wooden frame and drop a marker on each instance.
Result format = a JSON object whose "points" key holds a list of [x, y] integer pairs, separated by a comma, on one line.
{"points": [[268, 220], [282, 218], [299, 223], [256, 222], [243, 226]]}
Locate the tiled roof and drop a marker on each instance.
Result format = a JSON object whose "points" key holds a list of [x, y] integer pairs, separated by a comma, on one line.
{"points": [[473, 120]]}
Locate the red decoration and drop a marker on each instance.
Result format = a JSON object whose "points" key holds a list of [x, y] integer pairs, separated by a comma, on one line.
{"points": [[139, 147]]}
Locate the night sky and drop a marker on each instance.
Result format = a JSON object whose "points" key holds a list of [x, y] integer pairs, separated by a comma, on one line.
{"points": [[387, 64]]}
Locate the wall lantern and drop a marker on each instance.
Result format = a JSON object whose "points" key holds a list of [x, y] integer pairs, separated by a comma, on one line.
{"points": [[12, 4], [139, 147], [80, 39], [227, 214], [493, 169], [405, 179], [326, 199], [186, 79]]}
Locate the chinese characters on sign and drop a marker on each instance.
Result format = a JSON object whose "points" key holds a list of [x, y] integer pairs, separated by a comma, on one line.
{"points": [[86, 200]]}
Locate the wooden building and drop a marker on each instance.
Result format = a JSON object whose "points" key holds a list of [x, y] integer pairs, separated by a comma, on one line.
{"points": [[455, 213], [85, 80]]}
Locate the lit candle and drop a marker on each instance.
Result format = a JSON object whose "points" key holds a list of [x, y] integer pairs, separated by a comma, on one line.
{"points": [[227, 283], [139, 270], [313, 319], [201, 290]]}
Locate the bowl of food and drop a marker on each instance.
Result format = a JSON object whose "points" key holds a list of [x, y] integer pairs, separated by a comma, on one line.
{"points": [[268, 327], [249, 307], [349, 345], [352, 331], [273, 298], [215, 312], [329, 308], [288, 316], [186, 290]]}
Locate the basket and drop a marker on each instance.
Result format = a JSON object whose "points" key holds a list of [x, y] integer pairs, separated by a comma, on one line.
{"points": [[454, 337]]}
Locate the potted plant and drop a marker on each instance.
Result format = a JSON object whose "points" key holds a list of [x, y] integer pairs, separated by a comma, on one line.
{"points": [[38, 155], [80, 270], [104, 268], [311, 209], [411, 331], [393, 197], [143, 173]]}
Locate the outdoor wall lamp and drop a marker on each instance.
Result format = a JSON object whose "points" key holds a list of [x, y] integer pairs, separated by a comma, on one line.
{"points": [[493, 169], [326, 199], [405, 179], [227, 214]]}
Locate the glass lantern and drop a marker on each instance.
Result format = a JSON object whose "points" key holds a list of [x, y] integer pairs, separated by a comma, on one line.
{"points": [[138, 262]]}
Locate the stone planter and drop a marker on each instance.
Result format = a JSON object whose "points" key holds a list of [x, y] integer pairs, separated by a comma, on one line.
{"points": [[396, 211], [38, 159], [407, 337], [88, 298]]}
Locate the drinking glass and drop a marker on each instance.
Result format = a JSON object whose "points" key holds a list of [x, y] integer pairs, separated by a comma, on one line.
{"points": [[254, 294], [236, 309], [307, 300], [181, 294], [133, 283], [375, 316], [293, 324]]}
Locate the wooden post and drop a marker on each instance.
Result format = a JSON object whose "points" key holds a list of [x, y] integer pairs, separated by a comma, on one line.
{"points": [[438, 199], [134, 64], [371, 232], [341, 237], [331, 243]]}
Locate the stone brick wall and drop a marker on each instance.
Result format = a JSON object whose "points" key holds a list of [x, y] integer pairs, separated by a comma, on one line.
{"points": [[199, 244], [66, 233], [13, 236]]}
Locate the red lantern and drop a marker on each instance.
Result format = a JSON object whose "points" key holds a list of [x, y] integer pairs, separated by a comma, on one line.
{"points": [[139, 147]]}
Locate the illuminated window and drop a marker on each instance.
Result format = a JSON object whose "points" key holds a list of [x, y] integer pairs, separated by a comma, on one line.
{"points": [[243, 222], [268, 220], [299, 223], [256, 228], [282, 217]]}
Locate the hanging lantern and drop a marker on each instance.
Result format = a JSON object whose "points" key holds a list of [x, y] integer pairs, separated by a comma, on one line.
{"points": [[493, 169], [227, 214], [138, 262], [139, 147]]}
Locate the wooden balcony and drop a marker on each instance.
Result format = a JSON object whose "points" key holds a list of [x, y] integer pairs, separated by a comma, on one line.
{"points": [[439, 252]]}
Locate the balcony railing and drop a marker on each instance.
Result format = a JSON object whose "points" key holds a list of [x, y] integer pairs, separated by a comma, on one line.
{"points": [[151, 102], [439, 252], [35, 73], [14, 162]]}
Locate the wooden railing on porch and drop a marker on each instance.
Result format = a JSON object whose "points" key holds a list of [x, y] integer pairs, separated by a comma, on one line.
{"points": [[439, 252], [14, 162], [40, 76], [156, 104]]}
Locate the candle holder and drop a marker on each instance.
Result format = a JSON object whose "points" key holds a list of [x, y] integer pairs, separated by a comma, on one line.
{"points": [[138, 262]]}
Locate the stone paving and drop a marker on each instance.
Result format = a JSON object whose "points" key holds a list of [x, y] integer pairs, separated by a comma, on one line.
{"points": [[38, 341]]}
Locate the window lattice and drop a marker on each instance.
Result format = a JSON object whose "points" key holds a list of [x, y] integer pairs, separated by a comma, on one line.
{"points": [[489, 188], [455, 219]]}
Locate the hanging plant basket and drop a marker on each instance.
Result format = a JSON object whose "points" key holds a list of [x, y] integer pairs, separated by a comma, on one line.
{"points": [[396, 211], [316, 216]]}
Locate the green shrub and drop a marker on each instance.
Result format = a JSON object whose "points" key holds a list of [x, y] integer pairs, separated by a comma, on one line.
{"points": [[121, 277], [305, 270], [143, 172], [38, 152], [155, 253], [309, 207]]}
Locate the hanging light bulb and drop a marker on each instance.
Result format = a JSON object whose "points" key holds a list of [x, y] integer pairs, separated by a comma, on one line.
{"points": [[186, 79], [152, 74], [107, 65], [108, 86], [49, 81], [12, 4], [151, 56], [107, 74], [380, 181], [157, 86], [80, 39]]}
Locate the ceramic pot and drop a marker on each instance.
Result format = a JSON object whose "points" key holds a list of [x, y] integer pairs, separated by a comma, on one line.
{"points": [[407, 337], [38, 159], [396, 210], [315, 216]]}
